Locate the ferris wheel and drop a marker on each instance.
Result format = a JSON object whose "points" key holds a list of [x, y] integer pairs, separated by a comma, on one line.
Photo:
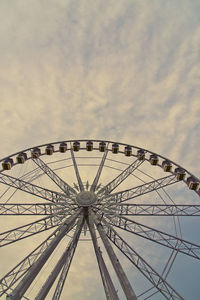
{"points": [[126, 201]]}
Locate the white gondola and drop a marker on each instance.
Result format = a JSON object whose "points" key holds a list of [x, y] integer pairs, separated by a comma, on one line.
{"points": [[166, 165], [76, 146], [7, 164], [36, 152], [21, 158], [127, 150], [63, 147], [102, 146], [192, 183], [89, 146], [49, 149], [153, 159], [115, 148], [180, 173], [141, 154]]}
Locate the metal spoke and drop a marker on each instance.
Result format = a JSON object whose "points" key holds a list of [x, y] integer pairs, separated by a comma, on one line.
{"points": [[141, 189], [158, 210], [109, 288], [164, 274], [19, 209], [66, 188], [95, 210], [125, 284], [156, 236], [66, 266], [120, 178], [16, 234], [32, 188], [30, 275], [32, 175], [96, 179], [21, 268], [160, 283], [66, 259], [81, 187]]}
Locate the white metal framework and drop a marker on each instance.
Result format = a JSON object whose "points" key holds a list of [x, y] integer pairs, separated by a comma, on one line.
{"points": [[119, 196]]}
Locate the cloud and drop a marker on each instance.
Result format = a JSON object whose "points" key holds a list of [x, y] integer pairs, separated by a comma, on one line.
{"points": [[117, 70]]}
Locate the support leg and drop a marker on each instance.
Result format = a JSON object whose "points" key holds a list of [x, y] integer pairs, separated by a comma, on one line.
{"points": [[22, 287], [126, 286], [109, 288], [65, 257]]}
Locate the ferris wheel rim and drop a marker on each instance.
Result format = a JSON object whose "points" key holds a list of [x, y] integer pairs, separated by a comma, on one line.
{"points": [[108, 142]]}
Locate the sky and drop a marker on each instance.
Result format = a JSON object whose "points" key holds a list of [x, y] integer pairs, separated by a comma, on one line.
{"points": [[126, 71]]}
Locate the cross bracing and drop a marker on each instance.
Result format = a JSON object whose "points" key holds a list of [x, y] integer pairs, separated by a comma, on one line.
{"points": [[158, 210], [101, 210]]}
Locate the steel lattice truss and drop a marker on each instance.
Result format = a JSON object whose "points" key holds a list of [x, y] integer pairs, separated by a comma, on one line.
{"points": [[112, 212]]}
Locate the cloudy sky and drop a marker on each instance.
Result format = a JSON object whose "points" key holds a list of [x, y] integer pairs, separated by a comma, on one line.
{"points": [[125, 70]]}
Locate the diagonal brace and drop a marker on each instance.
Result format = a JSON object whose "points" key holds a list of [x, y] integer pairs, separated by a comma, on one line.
{"points": [[66, 188], [109, 288], [22, 287], [120, 178], [126, 286], [160, 283]]}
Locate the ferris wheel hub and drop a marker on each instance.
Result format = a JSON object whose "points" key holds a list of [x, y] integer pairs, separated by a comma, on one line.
{"points": [[86, 198]]}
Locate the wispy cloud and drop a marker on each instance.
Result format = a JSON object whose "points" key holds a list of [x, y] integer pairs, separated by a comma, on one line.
{"points": [[120, 70]]}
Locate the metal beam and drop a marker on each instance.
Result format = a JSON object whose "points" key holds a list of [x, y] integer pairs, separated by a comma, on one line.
{"points": [[22, 287], [158, 210], [109, 288], [164, 275], [66, 257], [32, 189], [140, 190], [120, 178], [65, 269], [81, 187], [96, 179], [22, 232], [22, 267], [157, 280], [156, 236], [66, 188], [32, 175], [126, 286], [19, 209]]}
